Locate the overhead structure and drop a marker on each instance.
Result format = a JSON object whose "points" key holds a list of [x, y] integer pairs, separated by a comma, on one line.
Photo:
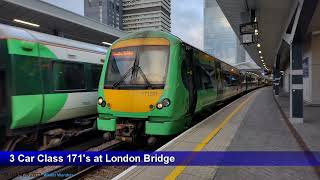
{"points": [[247, 66], [286, 42], [43, 17], [271, 17]]}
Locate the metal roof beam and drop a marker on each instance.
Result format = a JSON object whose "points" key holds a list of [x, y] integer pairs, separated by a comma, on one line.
{"points": [[59, 13]]}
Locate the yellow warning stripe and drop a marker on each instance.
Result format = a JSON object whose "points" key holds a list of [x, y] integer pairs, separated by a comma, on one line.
{"points": [[179, 169]]}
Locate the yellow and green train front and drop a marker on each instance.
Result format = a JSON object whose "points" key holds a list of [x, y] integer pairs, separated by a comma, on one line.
{"points": [[138, 86]]}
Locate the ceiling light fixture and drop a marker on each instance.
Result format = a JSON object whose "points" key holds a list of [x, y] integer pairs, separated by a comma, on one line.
{"points": [[106, 43], [26, 23]]}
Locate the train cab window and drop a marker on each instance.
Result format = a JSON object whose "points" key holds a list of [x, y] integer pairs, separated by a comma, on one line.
{"points": [[95, 75], [68, 76], [137, 67], [153, 61]]}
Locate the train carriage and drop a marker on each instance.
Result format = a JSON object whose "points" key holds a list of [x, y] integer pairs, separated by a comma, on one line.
{"points": [[45, 80], [152, 84]]}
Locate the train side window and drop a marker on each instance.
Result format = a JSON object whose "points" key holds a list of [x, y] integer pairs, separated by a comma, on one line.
{"points": [[26, 75], [198, 76], [95, 75], [203, 80], [206, 80], [184, 74], [234, 80], [68, 76], [227, 79]]}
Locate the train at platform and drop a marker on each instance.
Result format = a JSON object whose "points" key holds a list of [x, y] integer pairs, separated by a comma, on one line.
{"points": [[153, 85], [48, 87]]}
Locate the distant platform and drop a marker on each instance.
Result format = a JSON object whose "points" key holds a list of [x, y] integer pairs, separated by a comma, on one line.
{"points": [[254, 122]]}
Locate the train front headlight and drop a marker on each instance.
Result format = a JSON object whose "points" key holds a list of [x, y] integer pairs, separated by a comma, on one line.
{"points": [[100, 100], [164, 103], [159, 106]]}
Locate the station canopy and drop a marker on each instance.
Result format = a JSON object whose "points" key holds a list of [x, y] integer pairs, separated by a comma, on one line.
{"points": [[273, 19], [50, 19]]}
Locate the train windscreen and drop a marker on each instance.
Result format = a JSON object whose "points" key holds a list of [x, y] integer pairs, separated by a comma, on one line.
{"points": [[137, 66]]}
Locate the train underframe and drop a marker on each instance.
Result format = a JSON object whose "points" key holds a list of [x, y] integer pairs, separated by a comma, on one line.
{"points": [[48, 136], [139, 131]]}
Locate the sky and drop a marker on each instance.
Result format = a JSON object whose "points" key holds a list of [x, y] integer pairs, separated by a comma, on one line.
{"points": [[187, 21], [186, 18], [69, 5]]}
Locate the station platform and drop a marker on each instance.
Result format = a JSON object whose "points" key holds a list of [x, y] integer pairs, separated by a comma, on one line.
{"points": [[310, 129], [254, 122]]}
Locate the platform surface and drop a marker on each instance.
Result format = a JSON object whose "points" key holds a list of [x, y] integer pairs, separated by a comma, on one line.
{"points": [[310, 129], [251, 123]]}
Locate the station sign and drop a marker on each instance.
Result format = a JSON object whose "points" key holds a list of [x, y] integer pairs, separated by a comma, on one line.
{"points": [[247, 38], [247, 33], [248, 28]]}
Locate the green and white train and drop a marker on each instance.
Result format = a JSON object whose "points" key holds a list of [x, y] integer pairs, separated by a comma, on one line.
{"points": [[46, 80]]}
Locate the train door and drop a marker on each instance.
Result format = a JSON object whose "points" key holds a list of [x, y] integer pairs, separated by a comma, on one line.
{"points": [[190, 78], [219, 78], [2, 92], [27, 94], [3, 105], [4, 99]]}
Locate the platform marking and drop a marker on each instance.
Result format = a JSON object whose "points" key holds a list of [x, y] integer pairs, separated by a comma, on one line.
{"points": [[179, 169], [127, 171]]}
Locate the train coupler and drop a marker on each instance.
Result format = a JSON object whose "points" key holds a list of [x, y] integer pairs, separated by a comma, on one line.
{"points": [[125, 132]]}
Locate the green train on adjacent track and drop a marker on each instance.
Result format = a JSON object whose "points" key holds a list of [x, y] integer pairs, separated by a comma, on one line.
{"points": [[153, 84], [44, 81]]}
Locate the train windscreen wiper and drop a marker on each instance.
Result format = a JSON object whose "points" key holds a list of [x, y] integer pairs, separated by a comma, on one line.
{"points": [[116, 84], [144, 77]]}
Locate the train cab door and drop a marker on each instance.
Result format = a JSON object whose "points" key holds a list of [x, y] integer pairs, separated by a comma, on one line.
{"points": [[190, 78]]}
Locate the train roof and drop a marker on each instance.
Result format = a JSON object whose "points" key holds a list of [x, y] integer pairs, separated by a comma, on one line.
{"points": [[170, 37], [11, 32], [151, 33]]}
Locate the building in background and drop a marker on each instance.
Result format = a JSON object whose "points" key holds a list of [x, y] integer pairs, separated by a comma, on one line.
{"points": [[104, 11], [146, 15], [219, 38], [75, 6]]}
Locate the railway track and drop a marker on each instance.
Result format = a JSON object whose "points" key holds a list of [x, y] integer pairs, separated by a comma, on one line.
{"points": [[82, 143], [67, 172], [76, 172], [34, 172]]}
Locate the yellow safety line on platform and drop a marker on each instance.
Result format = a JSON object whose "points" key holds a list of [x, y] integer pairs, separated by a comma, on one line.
{"points": [[179, 169]]}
